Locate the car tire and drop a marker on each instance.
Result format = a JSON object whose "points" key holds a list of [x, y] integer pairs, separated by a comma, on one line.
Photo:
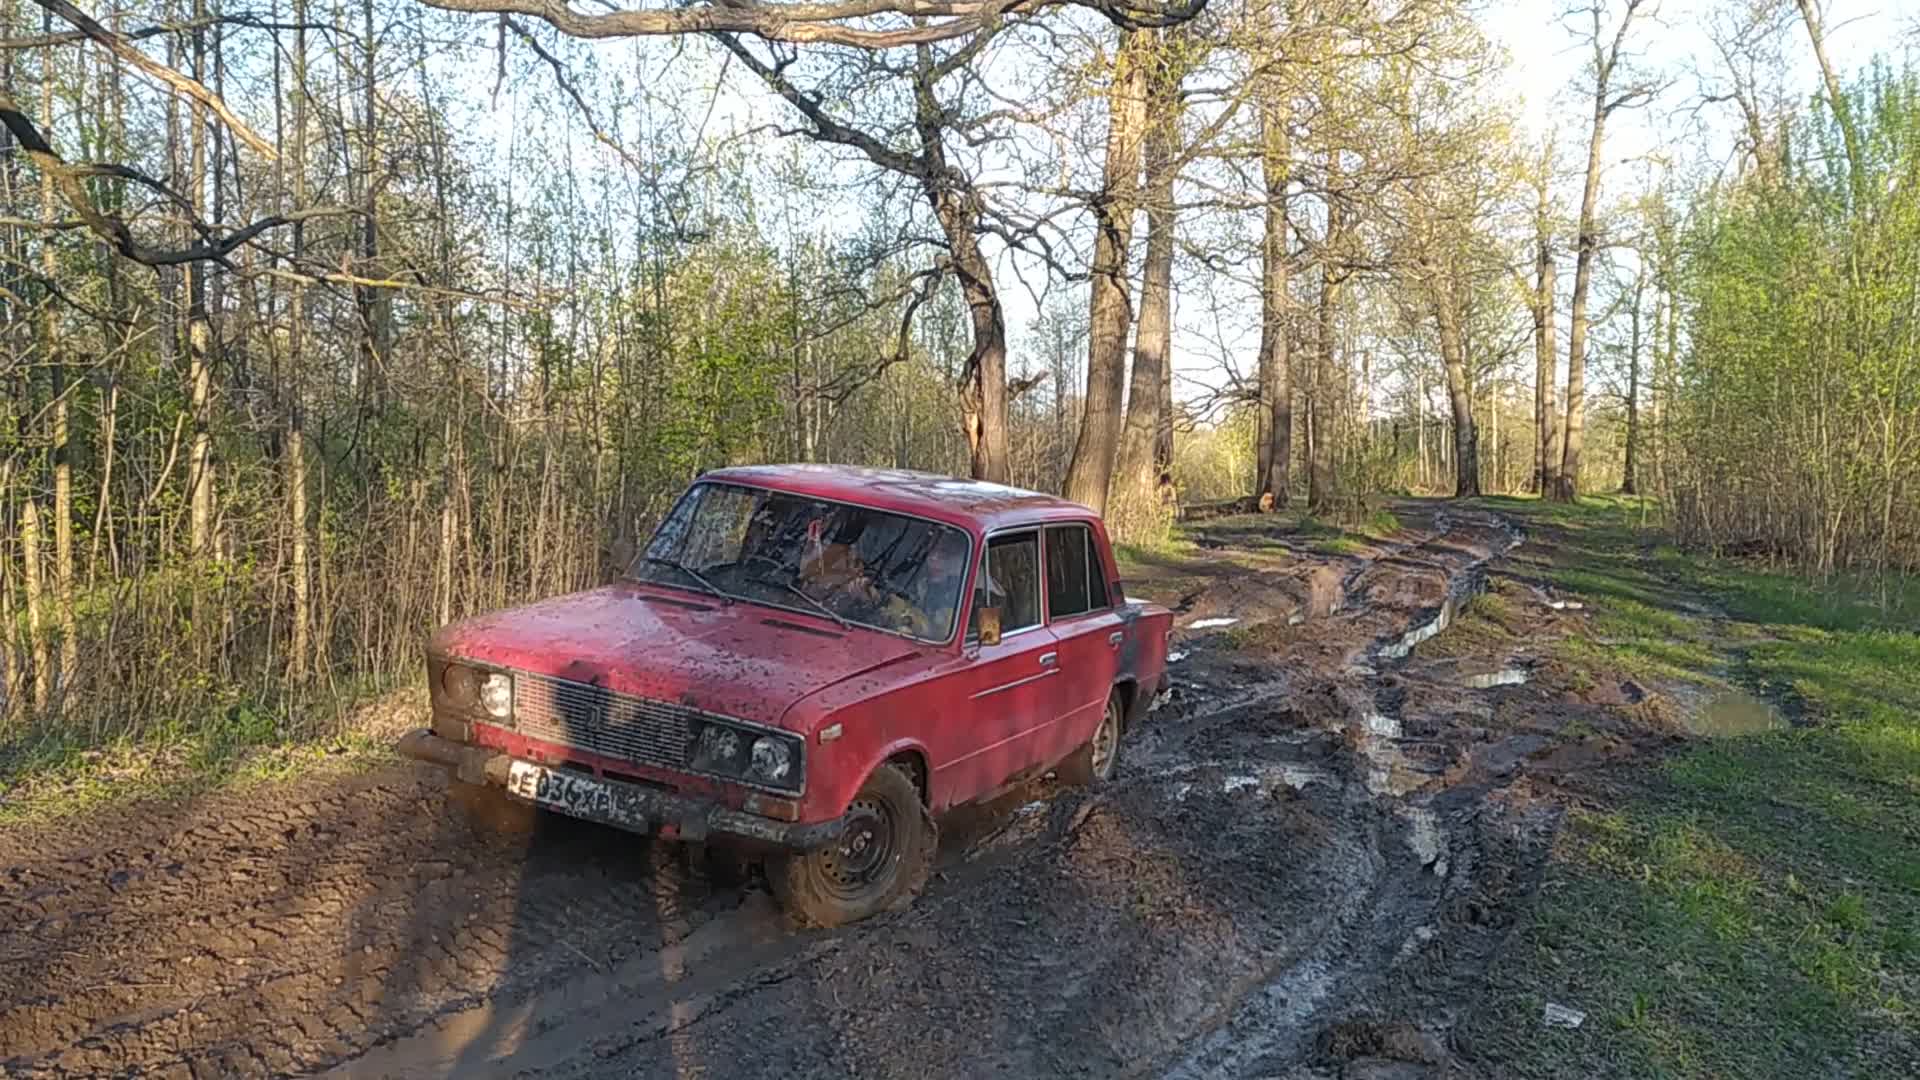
{"points": [[881, 862], [1093, 763]]}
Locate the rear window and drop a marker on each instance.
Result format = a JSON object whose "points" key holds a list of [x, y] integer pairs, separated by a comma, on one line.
{"points": [[1076, 582]]}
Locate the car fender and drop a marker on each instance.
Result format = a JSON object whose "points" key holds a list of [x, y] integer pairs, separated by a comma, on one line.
{"points": [[849, 779]]}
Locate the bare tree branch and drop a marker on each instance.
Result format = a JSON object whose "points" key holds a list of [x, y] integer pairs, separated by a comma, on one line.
{"points": [[181, 84], [67, 178], [827, 22]]}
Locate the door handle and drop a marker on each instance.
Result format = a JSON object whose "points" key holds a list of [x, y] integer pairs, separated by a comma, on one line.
{"points": [[1047, 659], [1116, 637]]}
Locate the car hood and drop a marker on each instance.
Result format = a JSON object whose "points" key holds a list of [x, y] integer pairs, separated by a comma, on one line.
{"points": [[741, 659]]}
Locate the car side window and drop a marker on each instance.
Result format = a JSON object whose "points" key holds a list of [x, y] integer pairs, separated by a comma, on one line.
{"points": [[1009, 579], [1076, 582]]}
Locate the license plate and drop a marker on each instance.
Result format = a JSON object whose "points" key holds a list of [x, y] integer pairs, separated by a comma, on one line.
{"points": [[576, 795]]}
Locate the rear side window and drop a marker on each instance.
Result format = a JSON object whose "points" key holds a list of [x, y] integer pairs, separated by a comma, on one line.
{"points": [[1076, 582], [1010, 581]]}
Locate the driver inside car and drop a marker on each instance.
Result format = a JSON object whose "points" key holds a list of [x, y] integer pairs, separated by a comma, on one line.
{"points": [[926, 604]]}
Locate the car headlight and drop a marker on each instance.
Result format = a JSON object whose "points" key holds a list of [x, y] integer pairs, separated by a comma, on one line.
{"points": [[772, 759], [496, 694], [720, 750], [461, 685]]}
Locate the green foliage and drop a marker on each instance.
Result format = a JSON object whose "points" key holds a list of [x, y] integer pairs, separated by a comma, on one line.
{"points": [[1796, 432]]}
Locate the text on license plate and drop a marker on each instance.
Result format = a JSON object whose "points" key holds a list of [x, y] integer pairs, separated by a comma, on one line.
{"points": [[571, 793]]}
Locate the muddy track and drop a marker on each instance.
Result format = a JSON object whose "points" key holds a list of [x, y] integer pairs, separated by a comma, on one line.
{"points": [[1303, 860]]}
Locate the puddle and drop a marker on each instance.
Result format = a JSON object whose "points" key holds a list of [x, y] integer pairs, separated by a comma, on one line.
{"points": [[1265, 780], [1209, 624], [1426, 839], [1734, 712], [1508, 677], [1384, 725], [1388, 770], [1239, 783]]}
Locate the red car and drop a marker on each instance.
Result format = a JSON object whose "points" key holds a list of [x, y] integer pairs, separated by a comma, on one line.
{"points": [[811, 661]]}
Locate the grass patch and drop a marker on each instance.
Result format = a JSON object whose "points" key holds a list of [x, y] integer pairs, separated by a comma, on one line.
{"points": [[50, 774], [1381, 524], [1340, 545], [1751, 909], [1175, 545]]}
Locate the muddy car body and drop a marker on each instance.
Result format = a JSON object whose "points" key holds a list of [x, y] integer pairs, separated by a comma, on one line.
{"points": [[810, 662]]}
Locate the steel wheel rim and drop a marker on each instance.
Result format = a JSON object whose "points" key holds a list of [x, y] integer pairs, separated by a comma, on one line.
{"points": [[1106, 741], [865, 854]]}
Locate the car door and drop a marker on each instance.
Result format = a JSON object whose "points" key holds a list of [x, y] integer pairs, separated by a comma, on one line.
{"points": [[1009, 686], [1088, 633]]}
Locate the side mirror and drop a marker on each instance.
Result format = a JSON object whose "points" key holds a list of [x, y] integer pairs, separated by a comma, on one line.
{"points": [[989, 620]]}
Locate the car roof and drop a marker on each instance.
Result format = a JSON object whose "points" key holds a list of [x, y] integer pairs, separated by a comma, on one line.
{"points": [[967, 503]]}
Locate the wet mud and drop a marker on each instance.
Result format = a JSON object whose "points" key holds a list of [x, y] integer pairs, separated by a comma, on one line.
{"points": [[1312, 851]]}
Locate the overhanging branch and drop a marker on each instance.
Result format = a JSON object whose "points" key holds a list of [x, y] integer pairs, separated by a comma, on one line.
{"points": [[68, 180], [181, 84], [827, 22]]}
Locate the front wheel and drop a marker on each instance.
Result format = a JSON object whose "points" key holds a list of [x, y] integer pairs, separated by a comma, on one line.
{"points": [[1093, 763], [880, 861]]}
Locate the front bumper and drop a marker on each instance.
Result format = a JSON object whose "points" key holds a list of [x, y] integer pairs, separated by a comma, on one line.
{"points": [[694, 819]]}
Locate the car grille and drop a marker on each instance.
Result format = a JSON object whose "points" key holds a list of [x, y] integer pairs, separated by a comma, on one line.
{"points": [[596, 719]]}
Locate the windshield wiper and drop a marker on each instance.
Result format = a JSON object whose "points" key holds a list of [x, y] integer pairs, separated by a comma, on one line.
{"points": [[822, 608], [696, 575]]}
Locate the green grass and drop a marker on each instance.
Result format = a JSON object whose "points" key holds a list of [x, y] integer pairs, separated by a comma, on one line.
{"points": [[1768, 597], [55, 773], [1753, 909], [1137, 555], [1340, 545]]}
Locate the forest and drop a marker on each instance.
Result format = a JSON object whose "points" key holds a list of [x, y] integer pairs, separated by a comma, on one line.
{"points": [[328, 321]]}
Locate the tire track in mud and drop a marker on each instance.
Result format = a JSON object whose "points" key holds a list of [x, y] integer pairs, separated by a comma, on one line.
{"points": [[1241, 887], [284, 939]]}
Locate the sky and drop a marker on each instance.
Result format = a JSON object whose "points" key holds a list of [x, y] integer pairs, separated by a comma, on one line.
{"points": [[1544, 57]]}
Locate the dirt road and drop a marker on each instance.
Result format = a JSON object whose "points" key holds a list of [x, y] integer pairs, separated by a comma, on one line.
{"points": [[1310, 855]]}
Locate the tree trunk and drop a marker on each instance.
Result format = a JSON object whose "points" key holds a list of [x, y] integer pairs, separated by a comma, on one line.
{"points": [[1836, 98], [1110, 306], [1420, 430], [376, 310], [36, 603], [984, 386], [1546, 469], [1453, 355], [200, 464], [1163, 439], [1276, 376], [1322, 484], [983, 381], [1629, 484], [54, 357], [1568, 486], [296, 452], [1136, 473]]}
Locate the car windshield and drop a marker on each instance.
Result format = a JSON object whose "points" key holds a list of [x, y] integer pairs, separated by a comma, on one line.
{"points": [[856, 565]]}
